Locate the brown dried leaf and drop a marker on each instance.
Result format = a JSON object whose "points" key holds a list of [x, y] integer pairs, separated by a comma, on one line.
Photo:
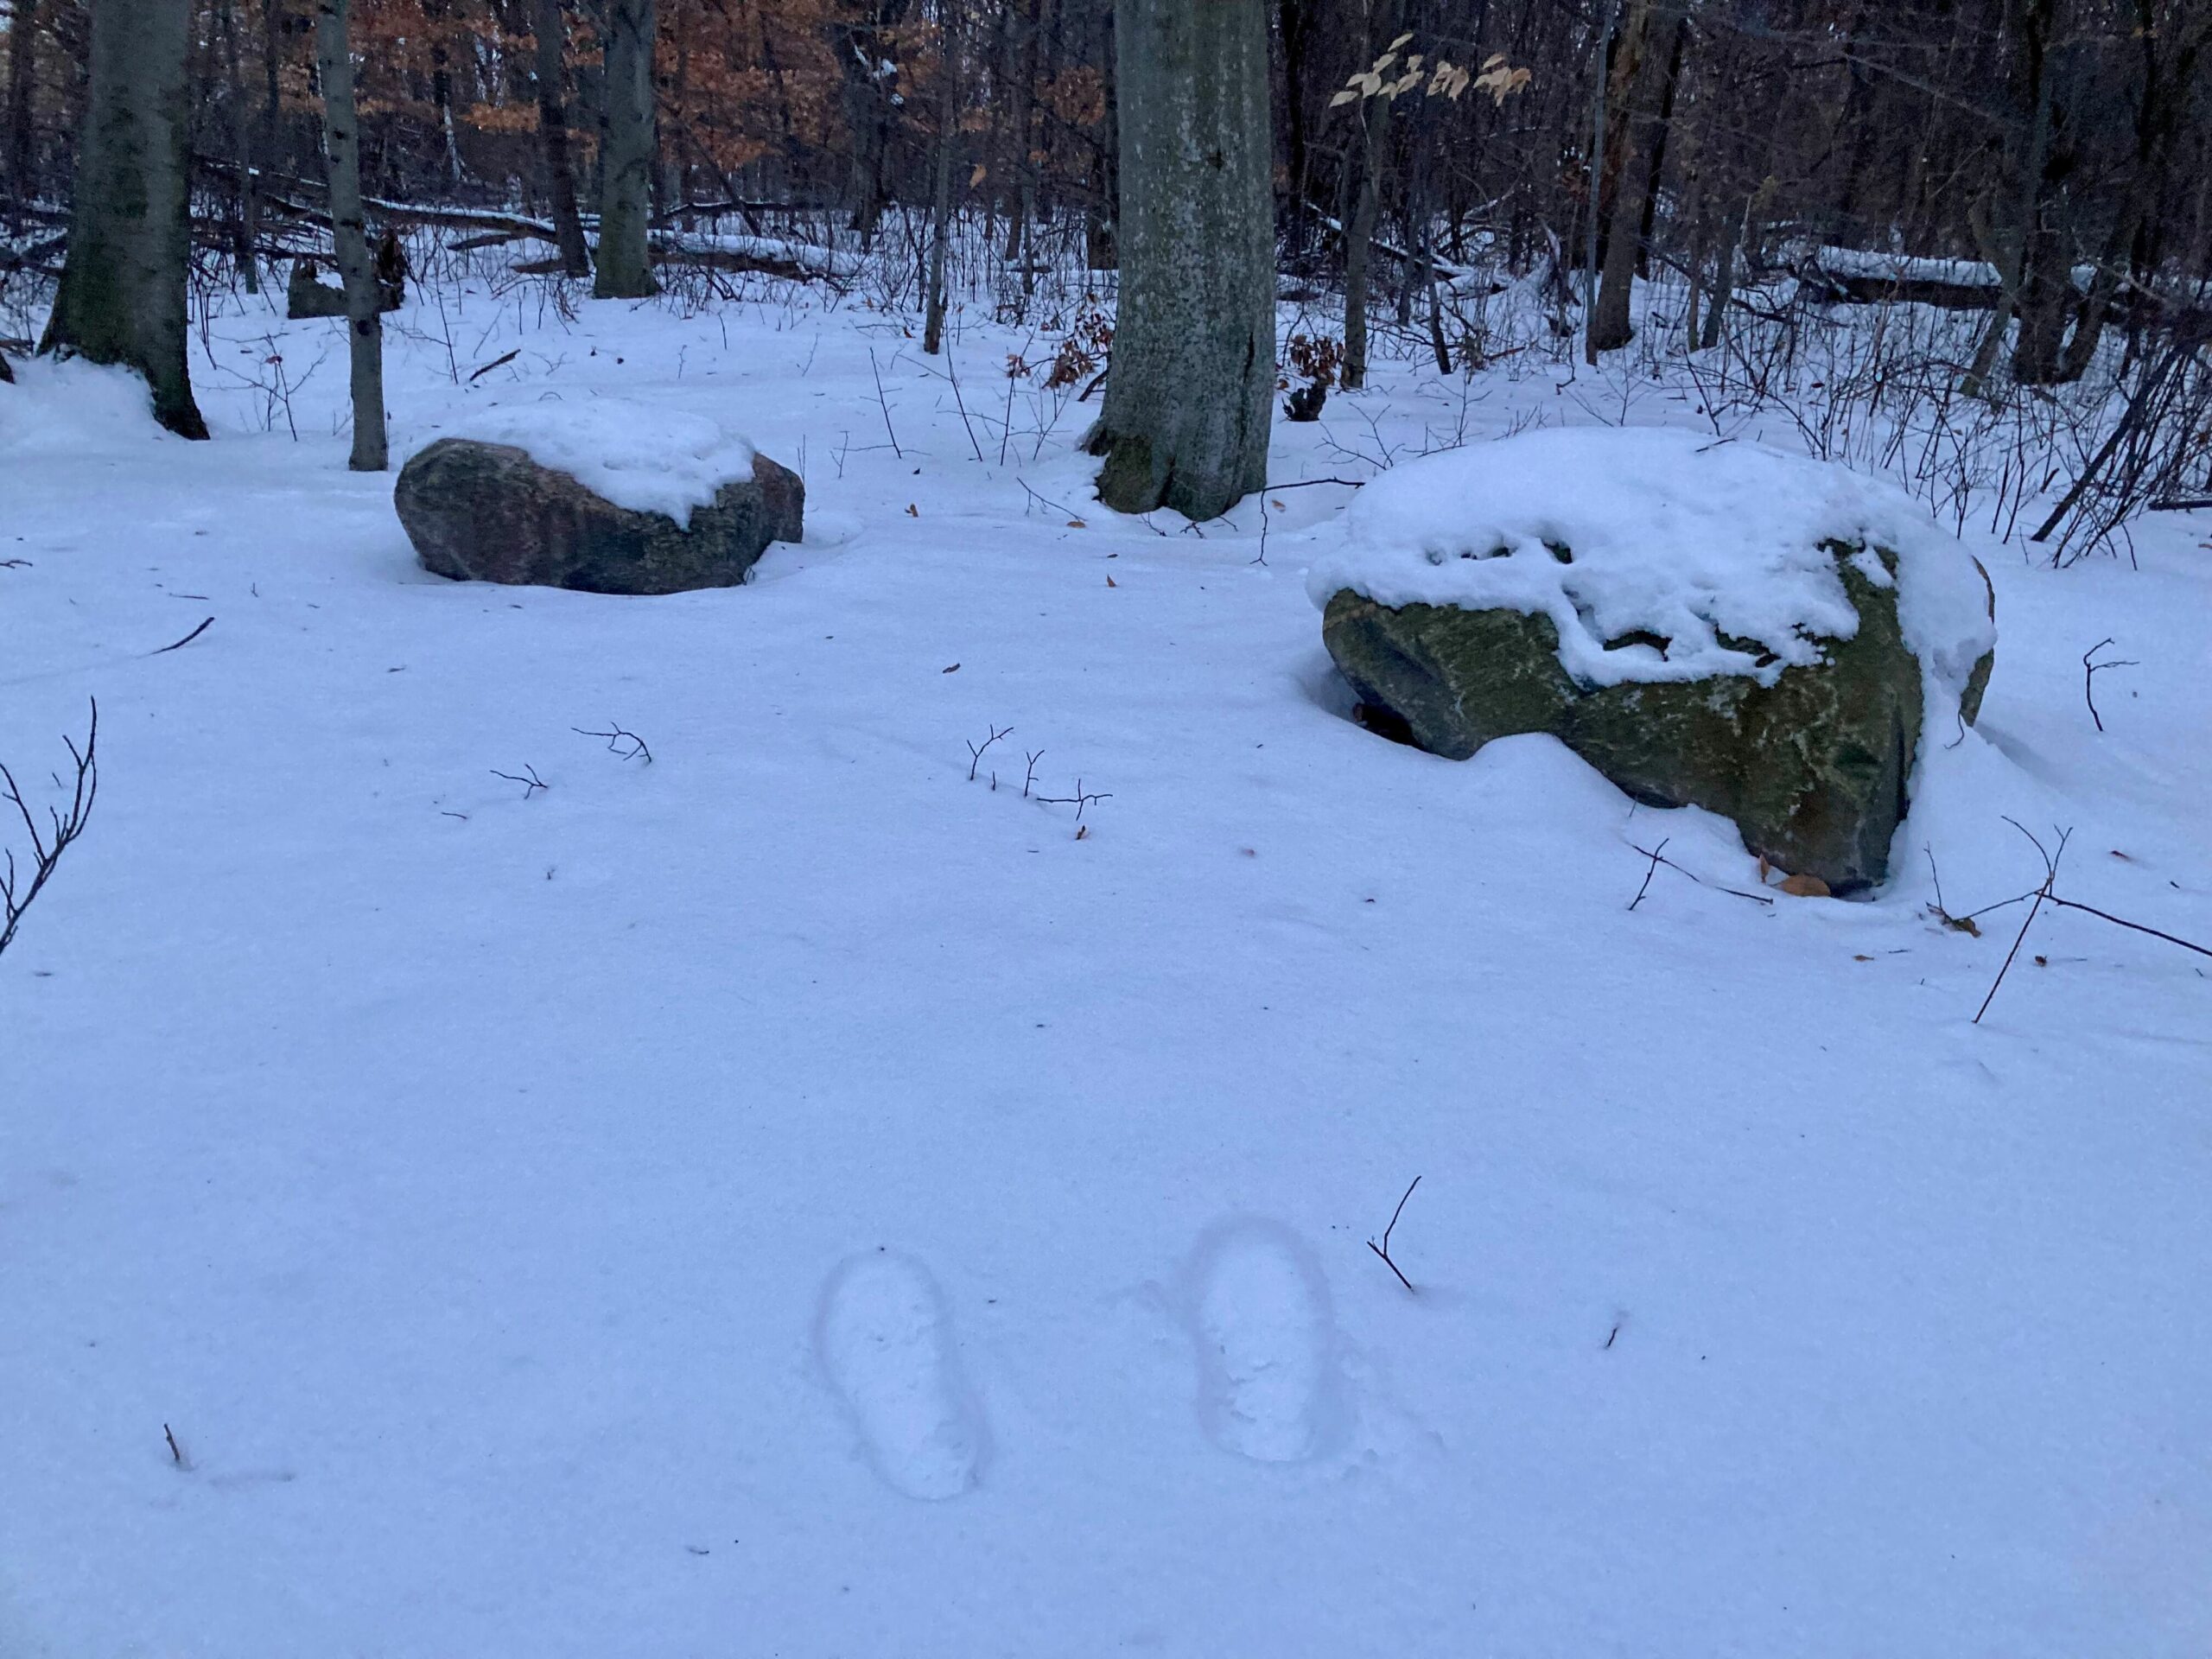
{"points": [[1804, 887]]}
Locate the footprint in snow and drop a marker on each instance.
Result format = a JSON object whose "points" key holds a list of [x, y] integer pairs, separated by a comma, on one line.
{"points": [[1269, 1382], [886, 1343]]}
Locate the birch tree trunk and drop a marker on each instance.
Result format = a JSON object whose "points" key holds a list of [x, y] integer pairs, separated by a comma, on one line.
{"points": [[334, 60], [122, 298], [626, 154], [552, 26], [1191, 392]]}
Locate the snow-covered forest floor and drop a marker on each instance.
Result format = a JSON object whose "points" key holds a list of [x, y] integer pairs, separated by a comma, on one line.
{"points": [[597, 1220]]}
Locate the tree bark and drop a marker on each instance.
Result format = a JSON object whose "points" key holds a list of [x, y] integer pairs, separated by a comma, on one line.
{"points": [[552, 27], [247, 234], [334, 60], [1359, 232], [948, 131], [1191, 392], [1611, 324], [626, 154], [22, 85], [123, 294]]}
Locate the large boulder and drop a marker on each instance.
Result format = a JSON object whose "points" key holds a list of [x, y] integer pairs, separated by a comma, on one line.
{"points": [[1690, 630], [479, 511]]}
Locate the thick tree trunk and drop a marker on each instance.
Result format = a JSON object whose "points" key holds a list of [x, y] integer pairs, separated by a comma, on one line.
{"points": [[553, 130], [123, 298], [626, 154], [1192, 390], [334, 61]]}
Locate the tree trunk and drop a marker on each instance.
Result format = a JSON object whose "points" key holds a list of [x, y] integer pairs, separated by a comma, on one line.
{"points": [[334, 61], [947, 132], [1611, 324], [1192, 390], [247, 234], [123, 297], [1367, 202], [23, 60], [626, 154], [1724, 280], [553, 128]]}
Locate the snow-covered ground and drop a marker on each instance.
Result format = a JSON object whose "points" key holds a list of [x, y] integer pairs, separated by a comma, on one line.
{"points": [[791, 1197]]}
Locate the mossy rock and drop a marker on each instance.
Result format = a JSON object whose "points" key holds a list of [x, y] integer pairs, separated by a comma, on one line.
{"points": [[1813, 769]]}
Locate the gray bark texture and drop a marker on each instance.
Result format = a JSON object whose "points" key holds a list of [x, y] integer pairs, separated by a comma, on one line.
{"points": [[553, 132], [1191, 389], [364, 306], [625, 269], [122, 298]]}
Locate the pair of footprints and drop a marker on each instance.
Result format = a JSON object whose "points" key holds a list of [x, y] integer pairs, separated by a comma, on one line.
{"points": [[1258, 1312]]}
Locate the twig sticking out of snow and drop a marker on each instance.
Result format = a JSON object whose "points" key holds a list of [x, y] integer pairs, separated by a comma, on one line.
{"points": [[615, 738], [530, 784], [2089, 671], [2046, 894], [1384, 1249], [48, 844], [1653, 854], [975, 750]]}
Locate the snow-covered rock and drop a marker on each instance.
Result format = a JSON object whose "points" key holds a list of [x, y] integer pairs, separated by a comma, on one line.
{"points": [[601, 496], [1707, 624]]}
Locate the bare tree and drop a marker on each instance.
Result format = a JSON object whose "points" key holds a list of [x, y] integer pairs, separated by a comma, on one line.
{"points": [[364, 300]]}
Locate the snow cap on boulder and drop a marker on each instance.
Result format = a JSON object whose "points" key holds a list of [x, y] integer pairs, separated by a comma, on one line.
{"points": [[1627, 536]]}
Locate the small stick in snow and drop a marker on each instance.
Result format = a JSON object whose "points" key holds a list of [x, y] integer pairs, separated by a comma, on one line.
{"points": [[195, 633], [1384, 1249], [884, 403], [1081, 798], [2049, 875], [495, 363], [1756, 898], [530, 784], [177, 1451], [1649, 870], [616, 738], [1030, 778], [2046, 894], [975, 750], [2089, 671]]}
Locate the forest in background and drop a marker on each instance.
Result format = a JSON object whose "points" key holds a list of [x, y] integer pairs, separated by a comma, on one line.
{"points": [[2042, 169]]}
